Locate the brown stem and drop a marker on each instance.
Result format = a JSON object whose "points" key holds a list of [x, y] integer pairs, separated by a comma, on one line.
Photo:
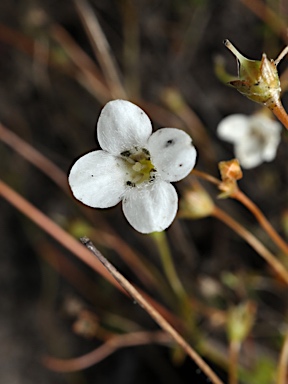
{"points": [[254, 242], [69, 242], [101, 48], [240, 196], [105, 350], [280, 113], [156, 316], [249, 204], [33, 156]]}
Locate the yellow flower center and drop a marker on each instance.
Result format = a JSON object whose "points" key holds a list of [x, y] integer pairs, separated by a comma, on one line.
{"points": [[139, 165]]}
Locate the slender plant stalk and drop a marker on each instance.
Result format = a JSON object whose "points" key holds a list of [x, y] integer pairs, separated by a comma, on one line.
{"points": [[106, 349], [269, 17], [275, 264], [158, 318], [283, 362], [101, 48], [33, 156], [88, 70], [280, 113], [234, 349], [249, 204], [69, 242], [168, 264], [265, 224]]}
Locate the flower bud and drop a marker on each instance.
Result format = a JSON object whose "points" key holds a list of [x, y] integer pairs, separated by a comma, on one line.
{"points": [[258, 80], [196, 203], [230, 172], [240, 321]]}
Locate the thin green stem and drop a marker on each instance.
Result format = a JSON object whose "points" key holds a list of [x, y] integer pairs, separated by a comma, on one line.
{"points": [[282, 367], [168, 265], [233, 358]]}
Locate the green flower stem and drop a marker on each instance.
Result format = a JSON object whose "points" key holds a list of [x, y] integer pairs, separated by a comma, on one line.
{"points": [[168, 265], [184, 307]]}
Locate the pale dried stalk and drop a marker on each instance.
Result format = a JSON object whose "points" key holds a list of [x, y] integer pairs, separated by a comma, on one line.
{"points": [[68, 241], [274, 263], [159, 319], [105, 350], [101, 48]]}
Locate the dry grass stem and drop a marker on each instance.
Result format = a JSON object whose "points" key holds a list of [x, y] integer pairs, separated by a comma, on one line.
{"points": [[159, 319], [31, 154], [275, 264], [249, 204], [101, 48], [105, 350], [84, 63], [69, 242]]}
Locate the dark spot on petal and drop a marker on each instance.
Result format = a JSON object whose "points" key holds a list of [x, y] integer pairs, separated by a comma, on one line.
{"points": [[180, 165], [125, 153], [130, 183], [169, 143]]}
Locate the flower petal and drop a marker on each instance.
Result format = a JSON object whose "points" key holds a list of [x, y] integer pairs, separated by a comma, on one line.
{"points": [[151, 208], [98, 179], [249, 153], [233, 128], [269, 133], [172, 153], [122, 126]]}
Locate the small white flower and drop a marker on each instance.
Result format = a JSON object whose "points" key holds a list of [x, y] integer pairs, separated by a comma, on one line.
{"points": [[255, 137], [134, 166]]}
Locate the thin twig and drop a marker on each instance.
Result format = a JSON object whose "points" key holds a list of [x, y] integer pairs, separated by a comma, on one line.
{"points": [[105, 350], [249, 204], [254, 242], [159, 319], [244, 199], [68, 241], [36, 158], [84, 63], [101, 48]]}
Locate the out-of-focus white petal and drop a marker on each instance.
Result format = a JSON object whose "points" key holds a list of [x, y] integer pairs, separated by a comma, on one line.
{"points": [[248, 153], [269, 135], [98, 179], [233, 128], [151, 208], [270, 149], [172, 153], [122, 126]]}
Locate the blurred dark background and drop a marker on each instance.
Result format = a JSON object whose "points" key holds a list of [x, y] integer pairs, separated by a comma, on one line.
{"points": [[159, 46]]}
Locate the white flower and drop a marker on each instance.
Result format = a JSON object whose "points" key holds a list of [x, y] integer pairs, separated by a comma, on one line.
{"points": [[134, 166], [255, 137]]}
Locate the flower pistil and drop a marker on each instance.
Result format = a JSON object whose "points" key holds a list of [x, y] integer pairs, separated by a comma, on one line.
{"points": [[139, 166]]}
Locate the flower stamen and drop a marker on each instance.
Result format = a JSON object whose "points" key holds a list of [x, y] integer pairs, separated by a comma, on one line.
{"points": [[139, 166]]}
